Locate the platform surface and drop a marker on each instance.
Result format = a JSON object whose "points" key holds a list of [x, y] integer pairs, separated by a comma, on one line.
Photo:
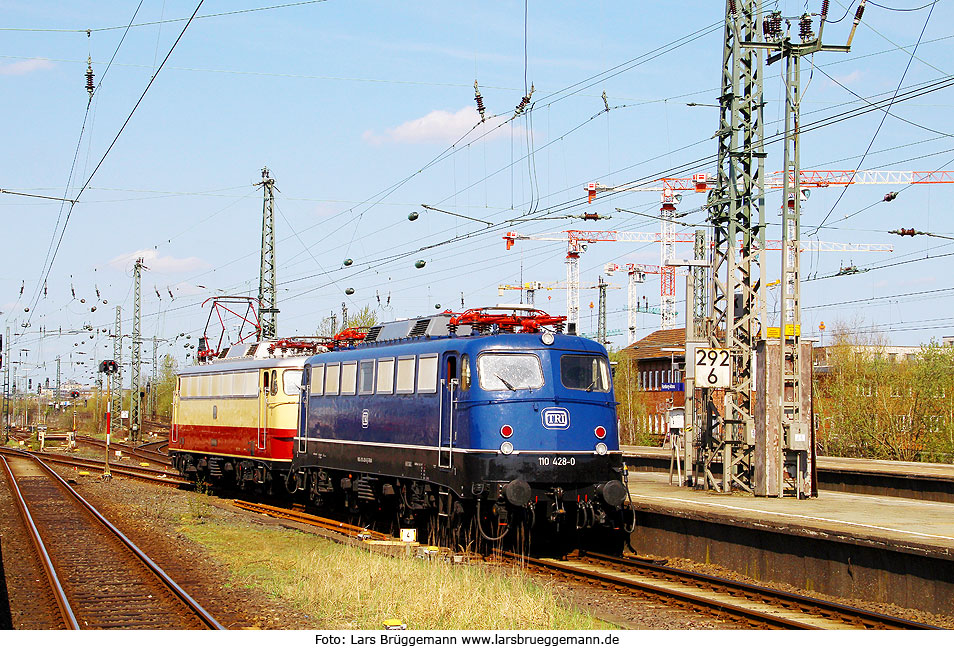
{"points": [[916, 526], [901, 468]]}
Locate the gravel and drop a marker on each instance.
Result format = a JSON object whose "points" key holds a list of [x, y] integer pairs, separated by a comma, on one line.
{"points": [[145, 512]]}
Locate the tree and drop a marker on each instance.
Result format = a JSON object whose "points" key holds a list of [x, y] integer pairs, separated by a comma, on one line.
{"points": [[165, 386], [363, 318], [632, 409], [869, 406]]}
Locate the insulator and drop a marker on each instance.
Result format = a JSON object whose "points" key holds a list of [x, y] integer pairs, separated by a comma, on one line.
{"points": [[732, 7], [805, 28], [524, 102], [90, 87], [824, 9], [891, 196], [480, 101], [772, 26]]}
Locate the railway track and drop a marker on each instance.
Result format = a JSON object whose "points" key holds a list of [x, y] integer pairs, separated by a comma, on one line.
{"points": [[100, 579], [136, 452], [156, 447], [323, 523], [164, 475], [748, 604]]}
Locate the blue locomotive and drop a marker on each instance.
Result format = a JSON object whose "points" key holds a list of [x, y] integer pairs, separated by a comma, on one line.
{"points": [[480, 423]]}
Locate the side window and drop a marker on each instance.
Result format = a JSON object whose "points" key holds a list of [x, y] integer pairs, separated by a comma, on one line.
{"points": [[385, 375], [405, 374], [331, 379], [274, 383], [215, 388], [349, 373], [366, 377], [427, 374], [317, 379], [464, 372]]}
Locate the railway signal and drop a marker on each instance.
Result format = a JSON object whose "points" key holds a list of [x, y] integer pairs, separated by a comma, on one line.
{"points": [[109, 367]]}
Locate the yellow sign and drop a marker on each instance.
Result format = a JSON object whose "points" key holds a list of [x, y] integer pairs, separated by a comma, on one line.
{"points": [[773, 333]]}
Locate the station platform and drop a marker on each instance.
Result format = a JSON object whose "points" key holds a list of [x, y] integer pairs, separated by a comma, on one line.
{"points": [[926, 481], [890, 549]]}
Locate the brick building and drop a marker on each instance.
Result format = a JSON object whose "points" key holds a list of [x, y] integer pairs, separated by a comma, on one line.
{"points": [[660, 363]]}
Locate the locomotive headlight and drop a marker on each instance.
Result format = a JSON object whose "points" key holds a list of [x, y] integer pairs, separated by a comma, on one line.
{"points": [[547, 338], [601, 448], [507, 447]]}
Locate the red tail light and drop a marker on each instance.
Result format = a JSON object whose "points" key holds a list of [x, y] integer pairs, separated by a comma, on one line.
{"points": [[506, 431], [600, 432]]}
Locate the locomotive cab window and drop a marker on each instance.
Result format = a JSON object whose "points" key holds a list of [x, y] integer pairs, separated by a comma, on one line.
{"points": [[585, 372], [291, 382], [464, 372], [274, 383], [509, 371]]}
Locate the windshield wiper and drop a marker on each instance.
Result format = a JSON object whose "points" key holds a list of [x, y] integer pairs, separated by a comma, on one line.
{"points": [[506, 384]]}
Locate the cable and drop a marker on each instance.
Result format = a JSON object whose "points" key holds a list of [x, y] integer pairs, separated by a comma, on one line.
{"points": [[152, 79], [162, 22], [45, 271]]}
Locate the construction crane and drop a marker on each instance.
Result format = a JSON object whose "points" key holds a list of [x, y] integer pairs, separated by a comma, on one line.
{"points": [[576, 243], [669, 189], [532, 285], [578, 240], [703, 182]]}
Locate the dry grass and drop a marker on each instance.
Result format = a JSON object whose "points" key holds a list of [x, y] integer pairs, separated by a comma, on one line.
{"points": [[342, 587]]}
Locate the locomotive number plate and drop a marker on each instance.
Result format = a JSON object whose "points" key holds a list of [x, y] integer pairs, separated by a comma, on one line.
{"points": [[556, 461]]}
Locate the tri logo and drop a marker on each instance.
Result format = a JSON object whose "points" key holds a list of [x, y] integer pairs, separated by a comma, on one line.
{"points": [[556, 418]]}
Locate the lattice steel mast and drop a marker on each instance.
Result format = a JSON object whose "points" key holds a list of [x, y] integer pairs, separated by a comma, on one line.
{"points": [[784, 430], [267, 289], [135, 382], [116, 397], [6, 383], [738, 223]]}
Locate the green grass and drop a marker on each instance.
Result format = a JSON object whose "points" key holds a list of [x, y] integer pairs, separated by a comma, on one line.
{"points": [[342, 587]]}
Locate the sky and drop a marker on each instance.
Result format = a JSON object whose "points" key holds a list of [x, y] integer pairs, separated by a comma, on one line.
{"points": [[364, 112]]}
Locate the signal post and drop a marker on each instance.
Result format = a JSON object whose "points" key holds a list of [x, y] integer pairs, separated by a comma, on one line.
{"points": [[109, 367]]}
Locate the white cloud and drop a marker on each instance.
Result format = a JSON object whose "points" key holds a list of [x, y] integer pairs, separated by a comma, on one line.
{"points": [[849, 78], [157, 263], [442, 127], [25, 67]]}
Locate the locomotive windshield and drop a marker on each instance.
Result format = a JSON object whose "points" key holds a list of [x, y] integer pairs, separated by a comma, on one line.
{"points": [[586, 372], [509, 371]]}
